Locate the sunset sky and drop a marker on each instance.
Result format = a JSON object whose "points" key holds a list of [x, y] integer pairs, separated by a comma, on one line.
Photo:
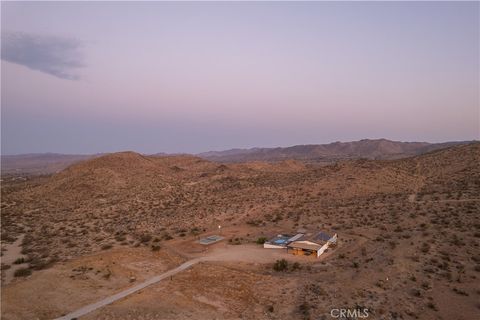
{"points": [[88, 77]]}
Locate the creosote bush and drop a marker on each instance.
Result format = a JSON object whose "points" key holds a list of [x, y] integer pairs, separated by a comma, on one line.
{"points": [[22, 272], [280, 265], [261, 240]]}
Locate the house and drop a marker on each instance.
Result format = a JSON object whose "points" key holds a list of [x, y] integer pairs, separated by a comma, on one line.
{"points": [[316, 246], [302, 244]]}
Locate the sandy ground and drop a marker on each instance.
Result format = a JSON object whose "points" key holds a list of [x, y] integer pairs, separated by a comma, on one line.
{"points": [[207, 291], [71, 285], [68, 286], [249, 253]]}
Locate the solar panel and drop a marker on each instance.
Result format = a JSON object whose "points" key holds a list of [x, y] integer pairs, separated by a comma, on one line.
{"points": [[322, 236], [210, 240]]}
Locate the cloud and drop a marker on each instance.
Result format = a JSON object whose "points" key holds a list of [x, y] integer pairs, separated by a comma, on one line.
{"points": [[58, 56]]}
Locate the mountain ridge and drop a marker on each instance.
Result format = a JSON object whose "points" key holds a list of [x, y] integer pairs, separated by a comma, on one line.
{"points": [[380, 149]]}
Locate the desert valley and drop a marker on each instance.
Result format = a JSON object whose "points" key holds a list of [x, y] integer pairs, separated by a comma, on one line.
{"points": [[408, 237]]}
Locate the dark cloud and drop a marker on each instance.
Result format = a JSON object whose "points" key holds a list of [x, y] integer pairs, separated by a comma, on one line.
{"points": [[58, 56]]}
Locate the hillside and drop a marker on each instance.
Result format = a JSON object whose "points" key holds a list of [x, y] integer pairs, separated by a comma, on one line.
{"points": [[124, 190], [368, 149]]}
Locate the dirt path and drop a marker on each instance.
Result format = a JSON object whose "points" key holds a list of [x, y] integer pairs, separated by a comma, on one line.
{"points": [[12, 252], [449, 200], [420, 181], [122, 294]]}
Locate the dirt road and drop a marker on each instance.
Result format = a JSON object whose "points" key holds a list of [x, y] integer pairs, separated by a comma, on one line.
{"points": [[91, 307]]}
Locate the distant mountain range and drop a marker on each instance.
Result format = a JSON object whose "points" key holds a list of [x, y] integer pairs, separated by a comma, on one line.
{"points": [[46, 163], [369, 149]]}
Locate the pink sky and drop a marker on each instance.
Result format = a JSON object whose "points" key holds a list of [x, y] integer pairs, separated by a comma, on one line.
{"points": [[87, 77]]}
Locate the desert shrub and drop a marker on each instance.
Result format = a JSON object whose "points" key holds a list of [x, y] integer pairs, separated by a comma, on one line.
{"points": [[155, 248], [236, 241], [460, 292], [364, 251], [7, 237], [425, 247], [106, 246], [457, 241], [19, 261], [5, 266], [254, 223], [280, 265], [432, 306], [316, 289], [22, 272], [425, 285], [296, 266], [278, 217], [144, 238], [415, 292], [107, 274], [304, 309], [261, 240], [120, 238], [39, 264]]}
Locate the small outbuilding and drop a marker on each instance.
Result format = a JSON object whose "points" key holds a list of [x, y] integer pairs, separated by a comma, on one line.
{"points": [[210, 240]]}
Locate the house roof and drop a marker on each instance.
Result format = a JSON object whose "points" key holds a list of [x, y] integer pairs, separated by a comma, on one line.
{"points": [[307, 245], [279, 240], [322, 236], [296, 237]]}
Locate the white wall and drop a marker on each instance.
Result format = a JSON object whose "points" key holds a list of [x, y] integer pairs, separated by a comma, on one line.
{"points": [[272, 246], [322, 249], [326, 245]]}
